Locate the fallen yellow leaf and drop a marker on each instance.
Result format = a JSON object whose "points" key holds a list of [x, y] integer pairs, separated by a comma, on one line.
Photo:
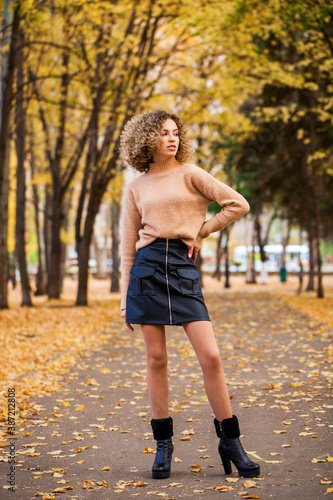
{"points": [[91, 381], [249, 484], [188, 432], [78, 450]]}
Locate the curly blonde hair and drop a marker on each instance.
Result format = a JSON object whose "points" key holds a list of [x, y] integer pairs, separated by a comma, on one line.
{"points": [[140, 137]]}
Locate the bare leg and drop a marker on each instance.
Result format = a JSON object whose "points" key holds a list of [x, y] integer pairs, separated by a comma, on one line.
{"points": [[157, 369], [204, 344]]}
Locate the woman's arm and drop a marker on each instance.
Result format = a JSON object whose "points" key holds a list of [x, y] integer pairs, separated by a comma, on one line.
{"points": [[130, 226], [233, 204]]}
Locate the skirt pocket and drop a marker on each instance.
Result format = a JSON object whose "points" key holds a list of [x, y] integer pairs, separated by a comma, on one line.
{"points": [[189, 281], [142, 280]]}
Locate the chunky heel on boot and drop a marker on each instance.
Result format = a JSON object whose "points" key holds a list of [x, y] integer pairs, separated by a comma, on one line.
{"points": [[162, 465], [163, 431], [226, 465], [231, 449]]}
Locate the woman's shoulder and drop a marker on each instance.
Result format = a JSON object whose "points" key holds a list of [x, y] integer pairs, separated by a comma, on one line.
{"points": [[189, 168], [196, 172], [134, 183]]}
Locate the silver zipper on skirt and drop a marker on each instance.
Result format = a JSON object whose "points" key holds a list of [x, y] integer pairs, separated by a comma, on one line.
{"points": [[166, 277]]}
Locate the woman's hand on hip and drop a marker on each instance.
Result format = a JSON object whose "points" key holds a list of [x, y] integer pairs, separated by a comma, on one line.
{"points": [[123, 315], [193, 251]]}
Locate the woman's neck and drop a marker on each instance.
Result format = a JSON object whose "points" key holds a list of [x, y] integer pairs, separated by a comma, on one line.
{"points": [[158, 158], [164, 166]]}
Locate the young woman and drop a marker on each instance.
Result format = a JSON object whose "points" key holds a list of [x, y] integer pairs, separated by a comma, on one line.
{"points": [[163, 224]]}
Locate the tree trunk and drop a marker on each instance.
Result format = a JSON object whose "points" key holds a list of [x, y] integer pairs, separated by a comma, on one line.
{"points": [[301, 270], [48, 231], [263, 256], [83, 247], [226, 251], [58, 191], [54, 270], [41, 280], [63, 252], [268, 229], [320, 290], [21, 188], [115, 215], [12, 269], [4, 268], [11, 22], [285, 231], [219, 253], [316, 203], [317, 219], [310, 286], [253, 279], [10, 30], [260, 241], [83, 258]]}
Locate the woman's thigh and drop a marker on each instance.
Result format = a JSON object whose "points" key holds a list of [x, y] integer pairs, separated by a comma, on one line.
{"points": [[203, 340], [155, 341]]}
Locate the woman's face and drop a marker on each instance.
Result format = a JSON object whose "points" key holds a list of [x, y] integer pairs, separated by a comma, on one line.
{"points": [[169, 140]]}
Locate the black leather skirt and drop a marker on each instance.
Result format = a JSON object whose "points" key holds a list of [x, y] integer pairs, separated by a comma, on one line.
{"points": [[164, 286]]}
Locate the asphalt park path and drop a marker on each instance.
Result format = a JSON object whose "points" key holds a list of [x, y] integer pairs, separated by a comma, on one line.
{"points": [[93, 439]]}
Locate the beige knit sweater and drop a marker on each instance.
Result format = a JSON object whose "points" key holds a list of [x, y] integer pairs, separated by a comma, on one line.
{"points": [[170, 201]]}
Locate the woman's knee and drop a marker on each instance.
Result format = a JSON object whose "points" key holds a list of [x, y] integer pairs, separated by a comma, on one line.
{"points": [[211, 361], [157, 360]]}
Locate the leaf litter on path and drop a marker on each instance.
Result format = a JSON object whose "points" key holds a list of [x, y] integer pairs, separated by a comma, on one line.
{"points": [[286, 383]]}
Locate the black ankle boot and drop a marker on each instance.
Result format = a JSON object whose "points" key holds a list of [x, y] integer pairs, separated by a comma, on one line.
{"points": [[231, 449], [163, 431]]}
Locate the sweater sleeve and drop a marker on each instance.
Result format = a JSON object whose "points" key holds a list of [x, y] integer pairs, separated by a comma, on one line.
{"points": [[233, 204], [130, 226]]}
